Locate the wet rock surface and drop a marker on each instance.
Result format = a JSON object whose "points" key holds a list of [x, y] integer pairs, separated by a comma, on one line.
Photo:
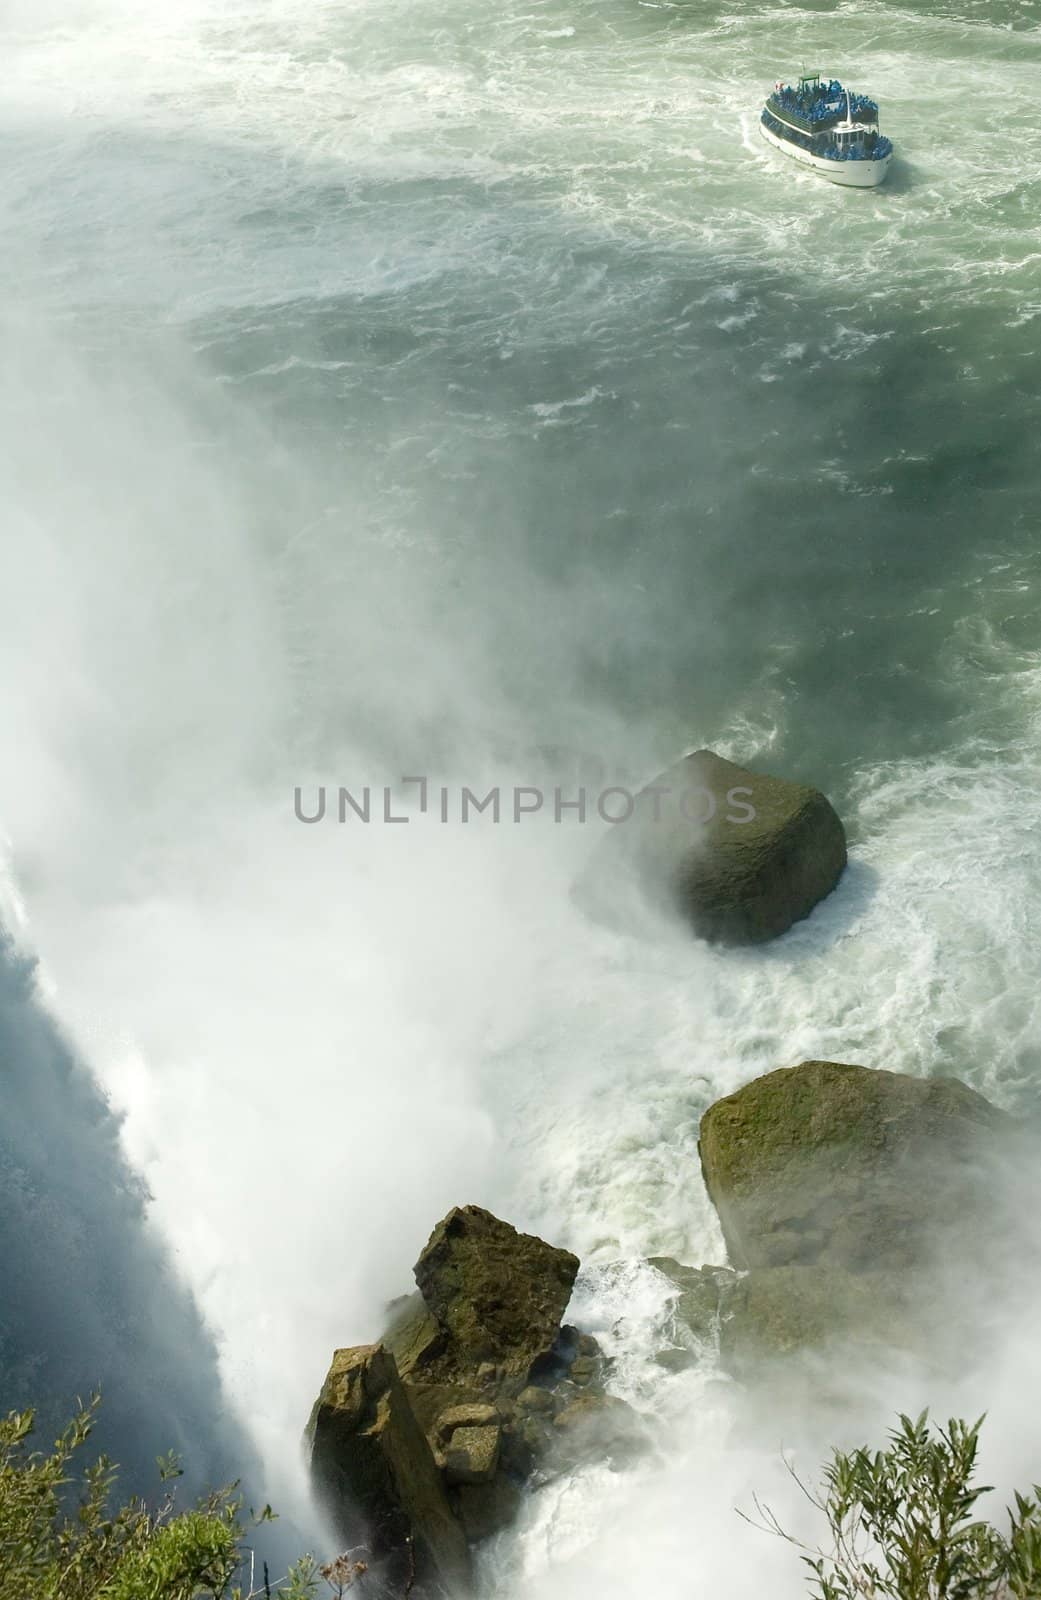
{"points": [[742, 855], [846, 1165], [497, 1296], [845, 1193], [375, 1474], [421, 1445]]}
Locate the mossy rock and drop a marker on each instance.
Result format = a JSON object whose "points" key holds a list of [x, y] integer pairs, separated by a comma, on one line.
{"points": [[375, 1476], [471, 1455], [434, 1429], [479, 1415], [430, 1401], [848, 1166], [741, 854], [497, 1295]]}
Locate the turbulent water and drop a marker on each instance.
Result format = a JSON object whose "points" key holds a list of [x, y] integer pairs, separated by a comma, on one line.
{"points": [[429, 389]]}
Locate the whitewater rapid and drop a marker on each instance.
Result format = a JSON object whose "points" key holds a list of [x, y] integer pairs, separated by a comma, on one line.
{"points": [[404, 388]]}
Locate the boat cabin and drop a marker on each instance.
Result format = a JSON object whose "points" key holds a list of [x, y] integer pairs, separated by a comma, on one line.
{"points": [[849, 138]]}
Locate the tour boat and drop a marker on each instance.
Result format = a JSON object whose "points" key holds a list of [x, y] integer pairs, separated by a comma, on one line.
{"points": [[829, 129]]}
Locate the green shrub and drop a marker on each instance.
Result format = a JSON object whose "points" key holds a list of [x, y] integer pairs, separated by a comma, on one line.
{"points": [[61, 1537], [902, 1524]]}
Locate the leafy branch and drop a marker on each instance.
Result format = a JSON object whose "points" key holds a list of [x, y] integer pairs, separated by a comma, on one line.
{"points": [[902, 1523]]}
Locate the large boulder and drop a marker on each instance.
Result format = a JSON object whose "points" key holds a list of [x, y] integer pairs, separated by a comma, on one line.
{"points": [[846, 1166], [423, 1442], [740, 854], [375, 1475], [497, 1295], [845, 1194]]}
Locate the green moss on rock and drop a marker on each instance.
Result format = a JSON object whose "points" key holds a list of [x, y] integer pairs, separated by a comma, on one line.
{"points": [[421, 1437], [741, 854], [496, 1294], [846, 1165], [748, 878]]}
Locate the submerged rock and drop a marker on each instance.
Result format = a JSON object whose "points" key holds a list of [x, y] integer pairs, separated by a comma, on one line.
{"points": [[741, 854], [702, 1292], [697, 1311]]}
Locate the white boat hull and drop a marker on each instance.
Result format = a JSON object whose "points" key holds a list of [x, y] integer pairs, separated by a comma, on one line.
{"points": [[851, 174]]}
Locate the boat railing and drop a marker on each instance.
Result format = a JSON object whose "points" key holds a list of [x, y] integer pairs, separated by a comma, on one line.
{"points": [[813, 111], [872, 147]]}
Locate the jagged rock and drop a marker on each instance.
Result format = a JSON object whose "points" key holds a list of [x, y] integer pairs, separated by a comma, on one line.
{"points": [[375, 1475], [412, 1334], [846, 1166], [433, 1431], [467, 1416], [741, 854], [430, 1400], [468, 1443], [472, 1455], [526, 1441], [496, 1295]]}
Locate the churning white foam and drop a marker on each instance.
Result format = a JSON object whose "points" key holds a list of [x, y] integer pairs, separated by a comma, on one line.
{"points": [[322, 1038]]}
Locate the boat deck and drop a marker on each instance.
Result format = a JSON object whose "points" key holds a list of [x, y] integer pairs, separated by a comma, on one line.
{"points": [[831, 139], [815, 110]]}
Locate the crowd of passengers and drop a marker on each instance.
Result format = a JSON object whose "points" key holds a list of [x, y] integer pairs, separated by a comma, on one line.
{"points": [[819, 100], [873, 146]]}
